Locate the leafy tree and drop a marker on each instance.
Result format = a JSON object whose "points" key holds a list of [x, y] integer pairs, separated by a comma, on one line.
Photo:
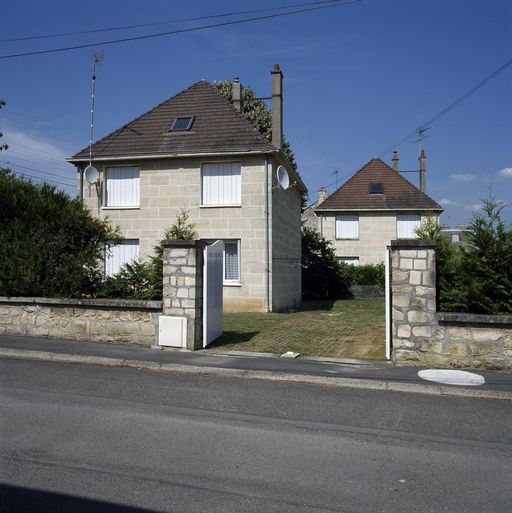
{"points": [[143, 280], [257, 113], [322, 274], [487, 262], [50, 244]]}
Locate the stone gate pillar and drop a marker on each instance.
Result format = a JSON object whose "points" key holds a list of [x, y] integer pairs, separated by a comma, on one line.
{"points": [[183, 293], [413, 297]]}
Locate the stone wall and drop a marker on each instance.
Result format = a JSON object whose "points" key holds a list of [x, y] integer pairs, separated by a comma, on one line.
{"points": [[423, 336], [94, 320], [183, 263]]}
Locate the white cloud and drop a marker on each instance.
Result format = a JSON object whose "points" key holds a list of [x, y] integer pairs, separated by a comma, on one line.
{"points": [[27, 144], [445, 202], [473, 208], [505, 173], [462, 178]]}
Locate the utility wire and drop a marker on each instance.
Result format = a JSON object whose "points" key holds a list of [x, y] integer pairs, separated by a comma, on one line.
{"points": [[10, 163], [40, 179], [179, 31], [30, 157], [31, 147], [167, 22], [448, 108]]}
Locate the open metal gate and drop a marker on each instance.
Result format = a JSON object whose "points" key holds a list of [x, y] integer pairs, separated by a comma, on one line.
{"points": [[212, 291]]}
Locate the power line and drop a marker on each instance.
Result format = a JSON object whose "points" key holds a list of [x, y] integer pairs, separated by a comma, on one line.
{"points": [[448, 108], [10, 163], [179, 31], [28, 147], [39, 178], [167, 22], [30, 157]]}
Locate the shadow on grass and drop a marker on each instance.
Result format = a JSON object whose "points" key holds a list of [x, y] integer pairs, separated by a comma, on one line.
{"points": [[311, 305], [230, 338]]}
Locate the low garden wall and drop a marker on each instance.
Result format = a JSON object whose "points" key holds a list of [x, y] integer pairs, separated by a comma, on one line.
{"points": [[423, 336], [94, 320]]}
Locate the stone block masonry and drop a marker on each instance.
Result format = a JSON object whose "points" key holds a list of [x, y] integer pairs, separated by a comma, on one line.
{"points": [[94, 320], [423, 336], [183, 263]]}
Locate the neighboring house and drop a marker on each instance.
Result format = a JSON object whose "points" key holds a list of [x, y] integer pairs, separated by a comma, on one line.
{"points": [[457, 235], [376, 205], [196, 151]]}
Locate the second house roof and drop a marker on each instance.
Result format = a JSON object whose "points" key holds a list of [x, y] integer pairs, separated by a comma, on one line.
{"points": [[398, 193]]}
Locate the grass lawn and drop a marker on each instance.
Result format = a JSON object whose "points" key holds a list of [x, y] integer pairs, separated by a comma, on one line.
{"points": [[343, 329]]}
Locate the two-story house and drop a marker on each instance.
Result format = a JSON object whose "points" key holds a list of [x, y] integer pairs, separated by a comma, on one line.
{"points": [[376, 205], [196, 151]]}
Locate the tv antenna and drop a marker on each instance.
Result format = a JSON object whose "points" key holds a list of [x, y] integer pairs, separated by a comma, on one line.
{"points": [[96, 60], [421, 135], [335, 172]]}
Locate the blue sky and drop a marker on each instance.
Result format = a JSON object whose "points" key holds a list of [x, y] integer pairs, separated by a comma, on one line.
{"points": [[358, 78]]}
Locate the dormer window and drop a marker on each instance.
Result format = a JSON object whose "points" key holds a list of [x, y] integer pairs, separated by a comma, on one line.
{"points": [[182, 123], [376, 188]]}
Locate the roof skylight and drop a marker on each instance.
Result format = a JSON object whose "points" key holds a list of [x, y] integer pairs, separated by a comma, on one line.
{"points": [[376, 188], [182, 123]]}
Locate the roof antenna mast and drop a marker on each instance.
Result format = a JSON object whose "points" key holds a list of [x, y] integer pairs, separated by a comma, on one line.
{"points": [[96, 59]]}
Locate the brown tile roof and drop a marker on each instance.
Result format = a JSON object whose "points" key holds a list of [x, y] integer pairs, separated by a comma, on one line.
{"points": [[399, 193], [217, 127]]}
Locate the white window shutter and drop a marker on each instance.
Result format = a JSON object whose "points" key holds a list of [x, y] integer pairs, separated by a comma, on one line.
{"points": [[406, 225], [347, 226], [221, 183], [118, 255], [123, 187]]}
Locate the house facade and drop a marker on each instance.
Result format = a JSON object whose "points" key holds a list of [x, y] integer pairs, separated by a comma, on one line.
{"points": [[197, 152], [376, 205]]}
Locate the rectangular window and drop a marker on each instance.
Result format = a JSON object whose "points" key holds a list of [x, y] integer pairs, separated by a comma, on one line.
{"points": [[232, 261], [406, 225], [376, 188], [349, 260], [347, 226], [221, 183], [122, 186], [119, 254]]}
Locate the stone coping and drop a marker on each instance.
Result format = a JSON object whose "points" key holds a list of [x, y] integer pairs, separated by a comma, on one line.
{"points": [[498, 321], [119, 304], [184, 243], [413, 243]]}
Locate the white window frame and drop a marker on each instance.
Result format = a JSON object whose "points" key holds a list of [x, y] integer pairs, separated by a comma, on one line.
{"points": [[341, 231], [225, 280], [209, 202], [402, 218], [108, 202], [108, 256]]}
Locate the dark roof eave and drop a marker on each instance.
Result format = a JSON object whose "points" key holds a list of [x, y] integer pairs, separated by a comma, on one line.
{"points": [[379, 209]]}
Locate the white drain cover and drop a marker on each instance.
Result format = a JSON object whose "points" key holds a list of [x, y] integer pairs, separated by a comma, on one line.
{"points": [[452, 377]]}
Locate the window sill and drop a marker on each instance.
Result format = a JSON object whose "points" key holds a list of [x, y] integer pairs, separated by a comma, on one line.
{"points": [[220, 206], [346, 238], [120, 208], [232, 284]]}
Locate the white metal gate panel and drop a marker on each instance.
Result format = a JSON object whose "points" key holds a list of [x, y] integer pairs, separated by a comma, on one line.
{"points": [[212, 292], [388, 303]]}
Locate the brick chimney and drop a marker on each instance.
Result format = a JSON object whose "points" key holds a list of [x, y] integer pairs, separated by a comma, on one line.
{"points": [[322, 194], [277, 107], [395, 161], [237, 95], [423, 168]]}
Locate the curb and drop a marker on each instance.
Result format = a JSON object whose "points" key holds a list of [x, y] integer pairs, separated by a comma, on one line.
{"points": [[369, 384]]}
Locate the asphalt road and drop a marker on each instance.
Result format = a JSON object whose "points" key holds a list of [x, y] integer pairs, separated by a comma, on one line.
{"points": [[85, 438]]}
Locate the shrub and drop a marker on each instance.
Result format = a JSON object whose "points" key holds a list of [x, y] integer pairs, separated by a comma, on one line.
{"points": [[322, 275], [50, 244], [367, 274]]}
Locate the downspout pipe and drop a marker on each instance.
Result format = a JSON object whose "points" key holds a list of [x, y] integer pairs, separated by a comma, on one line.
{"points": [[267, 241]]}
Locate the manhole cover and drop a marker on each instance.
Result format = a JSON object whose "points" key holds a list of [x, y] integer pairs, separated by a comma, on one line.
{"points": [[452, 377]]}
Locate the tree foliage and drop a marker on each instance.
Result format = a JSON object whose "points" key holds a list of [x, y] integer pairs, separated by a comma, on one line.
{"points": [[475, 277], [50, 244], [322, 274], [257, 113], [144, 280]]}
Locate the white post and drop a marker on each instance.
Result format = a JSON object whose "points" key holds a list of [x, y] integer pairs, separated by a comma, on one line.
{"points": [[387, 292]]}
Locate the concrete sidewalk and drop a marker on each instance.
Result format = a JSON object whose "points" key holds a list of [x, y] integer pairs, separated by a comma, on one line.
{"points": [[320, 371]]}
